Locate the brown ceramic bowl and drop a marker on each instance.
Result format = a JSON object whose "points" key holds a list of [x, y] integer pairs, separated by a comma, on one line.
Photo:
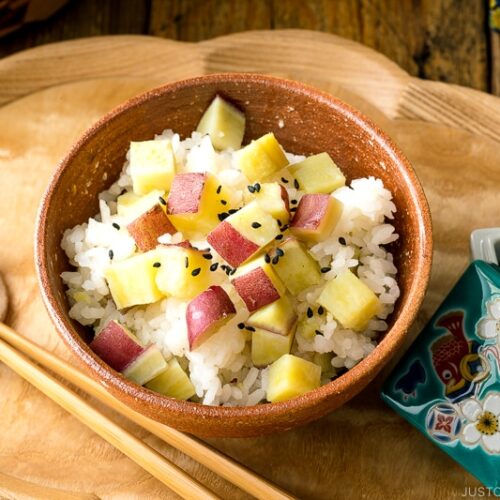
{"points": [[314, 122]]}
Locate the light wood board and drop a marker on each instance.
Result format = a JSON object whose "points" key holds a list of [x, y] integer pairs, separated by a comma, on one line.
{"points": [[50, 95]]}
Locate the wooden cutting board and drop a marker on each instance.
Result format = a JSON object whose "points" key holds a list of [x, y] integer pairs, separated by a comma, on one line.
{"points": [[51, 94]]}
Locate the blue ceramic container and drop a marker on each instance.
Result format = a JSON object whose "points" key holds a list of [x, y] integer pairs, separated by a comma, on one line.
{"points": [[448, 384]]}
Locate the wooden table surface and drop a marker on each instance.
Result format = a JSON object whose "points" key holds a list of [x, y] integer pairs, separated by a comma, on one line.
{"points": [[444, 40], [49, 95]]}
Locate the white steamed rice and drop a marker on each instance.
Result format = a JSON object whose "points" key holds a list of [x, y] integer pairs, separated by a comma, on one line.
{"points": [[221, 368]]}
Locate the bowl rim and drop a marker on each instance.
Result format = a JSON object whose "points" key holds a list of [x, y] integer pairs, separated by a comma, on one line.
{"points": [[365, 370]]}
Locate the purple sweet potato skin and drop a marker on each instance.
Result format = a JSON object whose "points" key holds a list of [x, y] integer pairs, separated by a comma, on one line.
{"points": [[233, 247], [205, 314], [116, 346], [256, 289], [148, 227], [310, 211], [185, 193]]}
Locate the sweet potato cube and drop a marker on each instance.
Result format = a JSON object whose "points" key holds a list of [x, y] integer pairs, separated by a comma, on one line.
{"points": [[261, 158], [130, 206], [296, 267], [257, 284], [207, 313], [183, 272], [255, 224], [152, 165], [290, 377], [268, 346], [350, 301], [173, 382], [133, 281], [192, 203], [273, 199], [316, 217], [318, 174], [224, 123], [148, 365], [232, 246], [116, 345], [148, 227], [243, 234], [277, 317]]}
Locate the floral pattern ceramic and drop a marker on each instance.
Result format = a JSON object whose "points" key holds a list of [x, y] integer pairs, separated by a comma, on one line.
{"points": [[448, 384]]}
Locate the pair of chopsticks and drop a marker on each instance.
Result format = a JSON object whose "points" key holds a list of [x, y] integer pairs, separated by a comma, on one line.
{"points": [[15, 352]]}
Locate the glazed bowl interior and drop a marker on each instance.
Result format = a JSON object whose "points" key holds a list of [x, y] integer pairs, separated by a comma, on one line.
{"points": [[313, 122]]}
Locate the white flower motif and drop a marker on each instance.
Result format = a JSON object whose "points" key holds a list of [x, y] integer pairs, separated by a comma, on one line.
{"points": [[489, 326], [483, 426]]}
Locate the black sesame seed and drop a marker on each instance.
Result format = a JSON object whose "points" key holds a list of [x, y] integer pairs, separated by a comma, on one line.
{"points": [[326, 269], [186, 262], [232, 211], [233, 271], [196, 271], [116, 226], [293, 209], [296, 184], [250, 328], [157, 264], [279, 222], [208, 256], [251, 189], [275, 259], [342, 241], [219, 189], [293, 202], [229, 271], [111, 254], [256, 225], [309, 312], [214, 266], [284, 180], [241, 326], [222, 216], [162, 200], [318, 332], [224, 202], [320, 310], [279, 237], [256, 186], [267, 258], [280, 252], [284, 228]]}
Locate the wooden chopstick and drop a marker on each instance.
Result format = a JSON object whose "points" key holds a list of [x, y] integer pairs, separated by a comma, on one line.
{"points": [[148, 458], [204, 454]]}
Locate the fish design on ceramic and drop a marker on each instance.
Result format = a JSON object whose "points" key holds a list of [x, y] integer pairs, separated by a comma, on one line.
{"points": [[455, 358], [409, 382]]}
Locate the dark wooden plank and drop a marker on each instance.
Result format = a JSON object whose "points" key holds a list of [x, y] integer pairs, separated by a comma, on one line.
{"points": [[437, 39], [494, 24], [192, 20], [495, 63], [442, 40], [81, 18]]}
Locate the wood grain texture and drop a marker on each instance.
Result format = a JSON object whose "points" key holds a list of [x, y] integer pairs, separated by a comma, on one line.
{"points": [[442, 40], [495, 63], [349, 454], [218, 463]]}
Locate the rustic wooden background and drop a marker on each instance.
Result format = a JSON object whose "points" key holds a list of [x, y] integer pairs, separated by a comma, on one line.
{"points": [[446, 40]]}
